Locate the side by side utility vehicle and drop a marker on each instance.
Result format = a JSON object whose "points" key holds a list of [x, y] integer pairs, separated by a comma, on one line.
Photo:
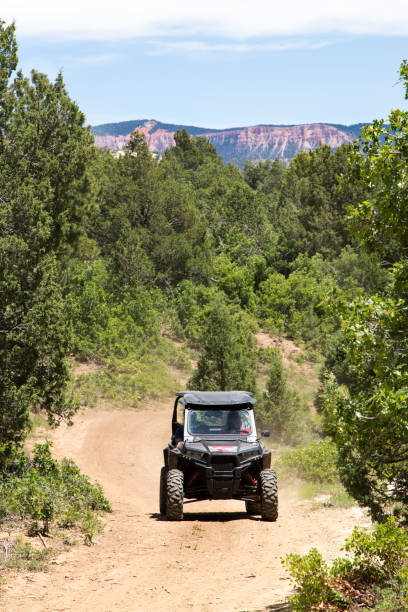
{"points": [[215, 453]]}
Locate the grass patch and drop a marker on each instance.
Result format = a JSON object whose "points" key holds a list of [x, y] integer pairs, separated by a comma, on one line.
{"points": [[304, 380], [314, 468], [310, 356], [128, 382], [20, 554], [125, 384], [331, 495]]}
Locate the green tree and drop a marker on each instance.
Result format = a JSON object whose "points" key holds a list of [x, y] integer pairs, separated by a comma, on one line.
{"points": [[265, 176], [368, 421], [44, 190], [227, 358], [148, 224], [310, 210], [281, 408], [292, 304]]}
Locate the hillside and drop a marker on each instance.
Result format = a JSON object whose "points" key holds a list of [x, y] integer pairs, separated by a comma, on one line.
{"points": [[257, 142]]}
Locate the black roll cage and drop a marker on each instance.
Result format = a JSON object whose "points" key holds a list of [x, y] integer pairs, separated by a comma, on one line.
{"points": [[234, 400]]}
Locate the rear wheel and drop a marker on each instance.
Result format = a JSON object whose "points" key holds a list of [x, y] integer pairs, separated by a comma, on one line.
{"points": [[269, 495], [174, 495], [163, 490], [253, 507]]}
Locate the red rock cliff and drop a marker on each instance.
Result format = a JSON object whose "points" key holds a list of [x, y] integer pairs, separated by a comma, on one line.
{"points": [[256, 142]]}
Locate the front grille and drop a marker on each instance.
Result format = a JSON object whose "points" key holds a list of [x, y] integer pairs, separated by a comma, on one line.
{"points": [[223, 462]]}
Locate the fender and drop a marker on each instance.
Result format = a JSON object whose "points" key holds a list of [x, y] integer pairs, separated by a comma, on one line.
{"points": [[266, 459]]}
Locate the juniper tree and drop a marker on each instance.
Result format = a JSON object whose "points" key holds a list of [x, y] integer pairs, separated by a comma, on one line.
{"points": [[44, 153], [227, 360]]}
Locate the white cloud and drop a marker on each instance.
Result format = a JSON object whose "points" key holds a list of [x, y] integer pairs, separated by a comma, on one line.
{"points": [[103, 58], [203, 47], [230, 19]]}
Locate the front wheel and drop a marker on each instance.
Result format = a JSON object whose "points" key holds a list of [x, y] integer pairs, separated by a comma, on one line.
{"points": [[174, 495], [269, 495]]}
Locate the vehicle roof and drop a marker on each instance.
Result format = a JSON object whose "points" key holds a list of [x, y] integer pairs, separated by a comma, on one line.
{"points": [[216, 398]]}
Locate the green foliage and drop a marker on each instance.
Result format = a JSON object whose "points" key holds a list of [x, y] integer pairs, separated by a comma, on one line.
{"points": [[312, 204], [292, 305], [50, 492], [281, 409], [265, 176], [228, 204], [191, 303], [380, 555], [355, 270], [8, 52], [311, 575], [314, 463], [105, 326], [236, 281], [227, 356], [122, 337], [375, 574], [44, 190], [148, 224], [368, 420]]}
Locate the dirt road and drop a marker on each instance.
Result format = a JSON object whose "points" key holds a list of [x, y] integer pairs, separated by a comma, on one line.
{"points": [[216, 559]]}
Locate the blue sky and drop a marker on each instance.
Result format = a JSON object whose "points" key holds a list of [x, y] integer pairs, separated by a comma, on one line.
{"points": [[222, 64]]}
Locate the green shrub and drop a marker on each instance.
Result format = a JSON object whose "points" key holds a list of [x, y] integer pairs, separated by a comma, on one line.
{"points": [[378, 556], [375, 575], [311, 575], [45, 491], [315, 462]]}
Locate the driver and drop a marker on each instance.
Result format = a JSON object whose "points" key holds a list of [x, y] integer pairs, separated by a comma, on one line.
{"points": [[234, 423]]}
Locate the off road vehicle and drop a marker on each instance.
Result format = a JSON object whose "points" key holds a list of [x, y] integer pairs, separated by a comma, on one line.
{"points": [[214, 453]]}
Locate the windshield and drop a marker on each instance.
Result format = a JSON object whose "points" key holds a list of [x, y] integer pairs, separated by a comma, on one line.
{"points": [[202, 422]]}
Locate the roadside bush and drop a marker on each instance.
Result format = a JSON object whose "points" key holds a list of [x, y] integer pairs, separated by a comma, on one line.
{"points": [[44, 491], [315, 463], [312, 577], [375, 576]]}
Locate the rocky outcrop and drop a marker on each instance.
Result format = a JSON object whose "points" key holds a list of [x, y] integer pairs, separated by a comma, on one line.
{"points": [[257, 142]]}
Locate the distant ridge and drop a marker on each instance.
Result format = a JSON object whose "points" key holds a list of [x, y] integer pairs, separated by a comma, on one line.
{"points": [[258, 142]]}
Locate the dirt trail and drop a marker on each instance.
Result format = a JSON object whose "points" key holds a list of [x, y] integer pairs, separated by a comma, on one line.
{"points": [[216, 559]]}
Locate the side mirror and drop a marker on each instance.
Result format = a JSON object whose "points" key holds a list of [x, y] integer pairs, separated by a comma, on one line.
{"points": [[265, 433]]}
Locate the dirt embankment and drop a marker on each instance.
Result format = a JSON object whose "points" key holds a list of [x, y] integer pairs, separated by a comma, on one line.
{"points": [[216, 559]]}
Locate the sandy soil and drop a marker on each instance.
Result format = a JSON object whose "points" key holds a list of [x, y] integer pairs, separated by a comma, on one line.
{"points": [[288, 349], [216, 559]]}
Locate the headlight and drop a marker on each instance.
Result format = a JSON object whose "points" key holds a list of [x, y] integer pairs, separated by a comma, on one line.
{"points": [[194, 454], [250, 454]]}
